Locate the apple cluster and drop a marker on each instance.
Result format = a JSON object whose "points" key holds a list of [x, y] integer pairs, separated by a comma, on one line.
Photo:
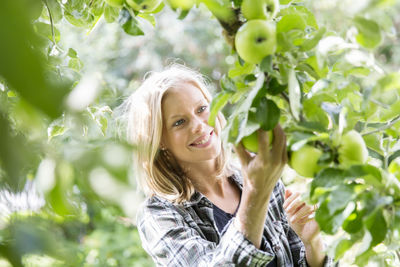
{"points": [[256, 38], [352, 150]]}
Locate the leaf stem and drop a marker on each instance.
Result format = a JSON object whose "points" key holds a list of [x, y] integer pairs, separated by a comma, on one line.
{"points": [[388, 125], [51, 22]]}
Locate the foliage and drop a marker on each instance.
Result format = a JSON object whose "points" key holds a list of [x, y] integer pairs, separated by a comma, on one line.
{"points": [[328, 75]]}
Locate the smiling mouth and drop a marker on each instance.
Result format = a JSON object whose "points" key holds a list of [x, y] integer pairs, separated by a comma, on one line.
{"points": [[203, 141]]}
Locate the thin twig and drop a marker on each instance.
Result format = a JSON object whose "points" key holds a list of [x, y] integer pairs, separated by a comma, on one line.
{"points": [[388, 125], [51, 22]]}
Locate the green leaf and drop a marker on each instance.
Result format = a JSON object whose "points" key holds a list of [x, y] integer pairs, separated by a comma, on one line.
{"points": [[331, 223], [37, 86], [309, 44], [149, 17], [55, 10], [217, 104], [309, 69], [266, 64], [72, 53], [354, 221], [47, 31], [275, 88], [369, 33], [183, 14], [111, 13], [239, 69], [377, 226], [227, 84], [129, 23], [267, 114], [55, 130], [294, 94], [342, 247], [76, 64], [388, 82], [340, 198], [327, 178], [289, 22]]}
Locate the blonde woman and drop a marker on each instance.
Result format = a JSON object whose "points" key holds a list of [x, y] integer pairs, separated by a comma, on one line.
{"points": [[201, 210]]}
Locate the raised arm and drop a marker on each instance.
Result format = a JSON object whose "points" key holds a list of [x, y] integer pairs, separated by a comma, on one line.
{"points": [[260, 174]]}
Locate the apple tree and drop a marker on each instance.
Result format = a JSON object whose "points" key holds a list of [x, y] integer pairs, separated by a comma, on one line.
{"points": [[331, 84]]}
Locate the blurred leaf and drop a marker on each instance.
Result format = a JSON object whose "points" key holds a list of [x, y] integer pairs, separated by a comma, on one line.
{"points": [[19, 60], [218, 102], [15, 155], [341, 248], [76, 64], [238, 69], [369, 34], [267, 114], [266, 64], [327, 178], [111, 13], [227, 84], [309, 44], [72, 53], [129, 23], [46, 30], [377, 226], [55, 10], [149, 17], [294, 94], [55, 130]]}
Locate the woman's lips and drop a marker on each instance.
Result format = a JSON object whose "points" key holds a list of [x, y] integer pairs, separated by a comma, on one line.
{"points": [[199, 143]]}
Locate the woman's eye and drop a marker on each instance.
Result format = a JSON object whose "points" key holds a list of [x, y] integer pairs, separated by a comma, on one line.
{"points": [[179, 122], [202, 108]]}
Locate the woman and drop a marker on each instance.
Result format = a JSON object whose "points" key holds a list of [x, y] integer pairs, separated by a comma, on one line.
{"points": [[201, 210]]}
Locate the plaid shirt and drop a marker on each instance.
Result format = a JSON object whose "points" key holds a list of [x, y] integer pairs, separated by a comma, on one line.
{"points": [[186, 235]]}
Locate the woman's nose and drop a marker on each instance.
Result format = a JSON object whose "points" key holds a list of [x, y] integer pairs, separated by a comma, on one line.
{"points": [[198, 125]]}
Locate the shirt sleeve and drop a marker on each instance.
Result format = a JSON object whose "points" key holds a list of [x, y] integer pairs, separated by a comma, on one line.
{"points": [[171, 241], [296, 245]]}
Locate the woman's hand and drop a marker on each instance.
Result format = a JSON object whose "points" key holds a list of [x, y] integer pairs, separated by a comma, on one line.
{"points": [[300, 217], [261, 171]]}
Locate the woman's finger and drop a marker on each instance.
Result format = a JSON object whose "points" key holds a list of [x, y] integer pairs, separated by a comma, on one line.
{"points": [[304, 219], [263, 144], [244, 155], [290, 199], [294, 206], [279, 144], [302, 211]]}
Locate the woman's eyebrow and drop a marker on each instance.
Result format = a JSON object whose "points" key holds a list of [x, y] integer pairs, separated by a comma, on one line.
{"points": [[179, 115]]}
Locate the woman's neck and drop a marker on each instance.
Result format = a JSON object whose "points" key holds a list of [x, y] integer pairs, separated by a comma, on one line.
{"points": [[204, 177]]}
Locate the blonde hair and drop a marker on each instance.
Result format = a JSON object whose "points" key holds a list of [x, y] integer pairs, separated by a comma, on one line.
{"points": [[158, 173]]}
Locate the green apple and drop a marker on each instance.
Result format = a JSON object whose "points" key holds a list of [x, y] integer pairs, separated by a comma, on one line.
{"points": [[115, 3], [352, 149], [250, 142], [260, 9], [145, 6], [182, 4], [255, 40], [305, 160]]}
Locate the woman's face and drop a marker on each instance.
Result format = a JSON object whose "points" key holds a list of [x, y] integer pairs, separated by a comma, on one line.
{"points": [[186, 132]]}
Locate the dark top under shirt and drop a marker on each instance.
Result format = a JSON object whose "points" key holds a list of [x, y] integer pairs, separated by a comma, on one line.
{"points": [[222, 218]]}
